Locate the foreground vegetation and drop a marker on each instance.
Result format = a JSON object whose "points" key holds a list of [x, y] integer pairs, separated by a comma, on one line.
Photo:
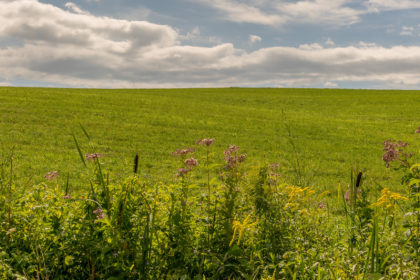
{"points": [[328, 131], [220, 220]]}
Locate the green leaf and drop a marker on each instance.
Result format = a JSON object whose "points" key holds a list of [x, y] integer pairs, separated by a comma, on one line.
{"points": [[417, 165]]}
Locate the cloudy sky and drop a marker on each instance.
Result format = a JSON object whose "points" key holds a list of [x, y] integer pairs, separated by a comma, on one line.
{"points": [[210, 43]]}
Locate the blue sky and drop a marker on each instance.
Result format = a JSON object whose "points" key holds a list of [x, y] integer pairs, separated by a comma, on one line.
{"points": [[210, 43]]}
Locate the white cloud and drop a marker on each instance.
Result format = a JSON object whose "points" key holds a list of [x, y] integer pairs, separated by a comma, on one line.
{"points": [[278, 13], [407, 31], [320, 11], [334, 13], [242, 12], [254, 39], [74, 8], [84, 50], [330, 84], [196, 38], [329, 42], [386, 5], [38, 23]]}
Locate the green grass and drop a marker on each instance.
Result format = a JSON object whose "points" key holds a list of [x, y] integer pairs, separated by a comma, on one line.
{"points": [[332, 130]]}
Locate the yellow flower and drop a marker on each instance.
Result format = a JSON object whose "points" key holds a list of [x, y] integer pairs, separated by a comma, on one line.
{"points": [[388, 199], [240, 227], [297, 197]]}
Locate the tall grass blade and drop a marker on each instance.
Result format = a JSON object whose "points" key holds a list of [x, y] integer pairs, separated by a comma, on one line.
{"points": [[84, 131], [79, 150]]}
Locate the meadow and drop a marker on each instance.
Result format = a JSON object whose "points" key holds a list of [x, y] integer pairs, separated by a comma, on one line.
{"points": [[283, 184], [323, 131]]}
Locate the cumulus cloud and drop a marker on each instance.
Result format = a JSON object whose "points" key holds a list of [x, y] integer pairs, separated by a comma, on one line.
{"points": [[73, 7], [277, 13], [243, 12], [329, 84], [79, 49], [254, 39], [386, 5], [324, 12]]}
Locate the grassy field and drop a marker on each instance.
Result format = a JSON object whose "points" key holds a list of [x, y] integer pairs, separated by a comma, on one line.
{"points": [[230, 216], [332, 130]]}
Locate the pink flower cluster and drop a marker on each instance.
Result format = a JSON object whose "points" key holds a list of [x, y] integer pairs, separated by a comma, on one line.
{"points": [[51, 175], [183, 171], [100, 215], [418, 130], [232, 158], [393, 151], [93, 156], [205, 142], [182, 152], [189, 162]]}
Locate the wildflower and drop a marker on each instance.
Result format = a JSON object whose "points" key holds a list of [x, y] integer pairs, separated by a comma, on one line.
{"points": [[297, 197], [67, 196], [205, 142], [388, 199], [51, 175], [182, 152], [322, 205], [393, 151], [418, 130], [231, 157], [93, 156], [240, 227], [183, 171], [190, 162], [100, 215]]}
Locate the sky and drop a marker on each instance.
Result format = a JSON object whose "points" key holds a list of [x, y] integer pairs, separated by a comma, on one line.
{"points": [[210, 43]]}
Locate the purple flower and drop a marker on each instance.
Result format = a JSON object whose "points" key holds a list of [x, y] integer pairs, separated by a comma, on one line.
{"points": [[205, 142], [232, 158], [393, 151], [183, 171], [100, 215], [93, 156], [182, 152], [51, 175], [190, 162]]}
